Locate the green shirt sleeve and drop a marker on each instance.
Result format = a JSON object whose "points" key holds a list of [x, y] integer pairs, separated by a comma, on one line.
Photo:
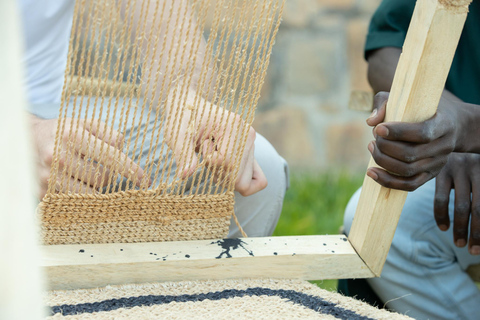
{"points": [[389, 24]]}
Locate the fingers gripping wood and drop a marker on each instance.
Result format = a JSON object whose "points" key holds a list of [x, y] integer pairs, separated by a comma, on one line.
{"points": [[419, 80]]}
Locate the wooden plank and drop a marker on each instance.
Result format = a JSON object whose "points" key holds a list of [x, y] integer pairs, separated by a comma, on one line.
{"points": [[20, 280], [305, 257], [417, 87], [361, 100]]}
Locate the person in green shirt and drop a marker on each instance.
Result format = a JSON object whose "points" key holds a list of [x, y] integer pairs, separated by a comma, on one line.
{"points": [[438, 236]]}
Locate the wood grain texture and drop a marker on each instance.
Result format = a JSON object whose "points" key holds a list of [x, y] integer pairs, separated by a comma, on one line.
{"points": [[417, 87], [305, 257], [20, 280], [361, 101], [461, 4]]}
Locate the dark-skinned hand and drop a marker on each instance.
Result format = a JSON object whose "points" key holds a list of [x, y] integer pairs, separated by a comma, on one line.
{"points": [[462, 173], [414, 153]]}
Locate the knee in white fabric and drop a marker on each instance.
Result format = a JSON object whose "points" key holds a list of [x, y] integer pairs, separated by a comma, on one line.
{"points": [[258, 214]]}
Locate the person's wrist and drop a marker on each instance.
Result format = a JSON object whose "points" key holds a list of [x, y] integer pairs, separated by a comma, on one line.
{"points": [[33, 119]]}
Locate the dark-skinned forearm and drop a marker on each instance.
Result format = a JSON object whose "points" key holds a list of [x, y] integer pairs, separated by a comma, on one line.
{"points": [[382, 64]]}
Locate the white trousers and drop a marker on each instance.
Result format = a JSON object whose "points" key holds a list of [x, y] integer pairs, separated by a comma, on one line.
{"points": [[424, 276]]}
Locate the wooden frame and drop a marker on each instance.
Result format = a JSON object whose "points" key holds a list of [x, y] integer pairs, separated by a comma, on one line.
{"points": [[419, 81], [306, 257], [20, 278]]}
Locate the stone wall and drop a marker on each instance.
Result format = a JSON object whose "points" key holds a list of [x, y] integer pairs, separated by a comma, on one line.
{"points": [[316, 62]]}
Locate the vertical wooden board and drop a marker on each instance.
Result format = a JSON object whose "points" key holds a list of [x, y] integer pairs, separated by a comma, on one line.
{"points": [[419, 81], [20, 283]]}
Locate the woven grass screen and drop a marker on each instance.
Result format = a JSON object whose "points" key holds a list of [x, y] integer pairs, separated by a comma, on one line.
{"points": [[157, 106]]}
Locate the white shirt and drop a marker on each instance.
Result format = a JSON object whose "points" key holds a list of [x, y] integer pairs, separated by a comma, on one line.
{"points": [[46, 26]]}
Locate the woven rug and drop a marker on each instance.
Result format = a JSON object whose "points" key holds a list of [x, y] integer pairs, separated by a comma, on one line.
{"points": [[232, 299]]}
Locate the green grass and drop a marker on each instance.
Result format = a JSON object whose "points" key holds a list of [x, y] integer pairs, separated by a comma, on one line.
{"points": [[314, 204]]}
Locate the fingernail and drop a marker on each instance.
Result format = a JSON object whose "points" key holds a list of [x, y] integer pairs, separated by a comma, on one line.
{"points": [[443, 227], [461, 243], [475, 250], [382, 131], [371, 147], [372, 175], [374, 113]]}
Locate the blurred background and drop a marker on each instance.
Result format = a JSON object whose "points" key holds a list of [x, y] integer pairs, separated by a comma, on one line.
{"points": [[317, 62]]}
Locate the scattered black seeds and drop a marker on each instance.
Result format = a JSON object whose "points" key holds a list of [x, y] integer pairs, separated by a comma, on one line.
{"points": [[344, 239], [187, 256], [81, 251], [121, 249], [275, 253], [91, 256], [324, 244], [157, 259], [333, 251]]}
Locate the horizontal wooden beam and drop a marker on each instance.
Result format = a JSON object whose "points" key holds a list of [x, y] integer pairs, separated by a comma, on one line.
{"points": [[302, 257]]}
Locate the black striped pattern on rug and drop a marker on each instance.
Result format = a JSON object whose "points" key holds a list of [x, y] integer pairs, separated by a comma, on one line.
{"points": [[312, 302]]}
